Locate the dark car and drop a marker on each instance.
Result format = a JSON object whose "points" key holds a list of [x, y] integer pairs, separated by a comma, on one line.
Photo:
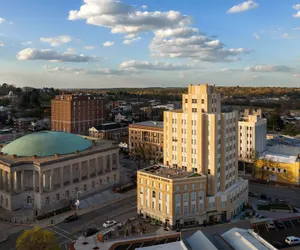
{"points": [[90, 231], [279, 224], [71, 218]]}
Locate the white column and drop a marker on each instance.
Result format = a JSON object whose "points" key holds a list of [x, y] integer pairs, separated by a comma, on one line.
{"points": [[61, 177], [22, 180], [1, 179], [41, 186], [33, 180], [16, 187], [71, 174], [51, 178], [88, 168]]}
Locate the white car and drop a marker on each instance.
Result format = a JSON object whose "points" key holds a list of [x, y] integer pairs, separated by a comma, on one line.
{"points": [[109, 223], [292, 240], [270, 224]]}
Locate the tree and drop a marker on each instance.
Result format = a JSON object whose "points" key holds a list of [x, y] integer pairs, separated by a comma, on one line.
{"points": [[291, 129], [37, 239]]}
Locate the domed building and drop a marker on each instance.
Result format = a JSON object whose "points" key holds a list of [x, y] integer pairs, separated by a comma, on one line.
{"points": [[45, 170]]}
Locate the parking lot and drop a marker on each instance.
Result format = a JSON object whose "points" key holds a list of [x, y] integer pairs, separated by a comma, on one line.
{"points": [[276, 236]]}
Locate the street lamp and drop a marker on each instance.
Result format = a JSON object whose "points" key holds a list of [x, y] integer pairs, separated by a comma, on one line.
{"points": [[77, 202]]}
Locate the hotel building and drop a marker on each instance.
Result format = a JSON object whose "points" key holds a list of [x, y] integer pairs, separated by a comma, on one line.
{"points": [[77, 113], [200, 139], [252, 135]]}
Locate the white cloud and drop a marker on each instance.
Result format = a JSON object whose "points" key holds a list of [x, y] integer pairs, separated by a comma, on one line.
{"points": [[101, 71], [130, 41], [71, 50], [108, 44], [2, 20], [144, 7], [145, 65], [256, 36], [297, 7], [296, 28], [56, 41], [130, 36], [123, 18], [198, 47], [89, 47], [27, 43], [2, 44], [51, 55], [243, 7], [287, 36], [178, 32], [269, 68]]}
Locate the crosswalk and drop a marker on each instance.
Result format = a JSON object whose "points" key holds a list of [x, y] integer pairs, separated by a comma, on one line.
{"points": [[62, 236]]}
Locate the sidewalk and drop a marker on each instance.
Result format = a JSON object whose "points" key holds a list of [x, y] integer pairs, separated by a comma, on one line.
{"points": [[84, 210]]}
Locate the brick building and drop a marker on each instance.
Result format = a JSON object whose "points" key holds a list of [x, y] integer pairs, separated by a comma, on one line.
{"points": [[110, 131], [77, 113]]}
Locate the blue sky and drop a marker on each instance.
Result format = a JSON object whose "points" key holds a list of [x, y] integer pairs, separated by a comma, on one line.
{"points": [[142, 43]]}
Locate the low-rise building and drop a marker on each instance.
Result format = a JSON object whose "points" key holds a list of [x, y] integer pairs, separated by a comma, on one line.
{"points": [[109, 131], [179, 199], [146, 139], [279, 168]]}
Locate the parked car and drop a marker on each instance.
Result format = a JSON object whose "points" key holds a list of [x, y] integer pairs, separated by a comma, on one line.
{"points": [[292, 240], [109, 223], [90, 231], [263, 197], [71, 218], [279, 224], [270, 224]]}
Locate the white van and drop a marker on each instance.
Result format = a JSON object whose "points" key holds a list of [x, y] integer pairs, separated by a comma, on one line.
{"points": [[292, 240]]}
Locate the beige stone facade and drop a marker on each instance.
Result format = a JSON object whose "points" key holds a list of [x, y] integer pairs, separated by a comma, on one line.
{"points": [[146, 140], [47, 183], [201, 139]]}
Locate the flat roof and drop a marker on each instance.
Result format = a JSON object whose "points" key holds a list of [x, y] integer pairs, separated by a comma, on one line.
{"points": [[167, 172], [149, 124], [179, 245], [279, 157]]}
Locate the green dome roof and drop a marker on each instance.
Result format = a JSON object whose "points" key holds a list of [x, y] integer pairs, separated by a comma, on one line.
{"points": [[46, 143]]}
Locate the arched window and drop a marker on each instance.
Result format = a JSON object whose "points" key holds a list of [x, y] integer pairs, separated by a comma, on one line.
{"points": [[28, 200]]}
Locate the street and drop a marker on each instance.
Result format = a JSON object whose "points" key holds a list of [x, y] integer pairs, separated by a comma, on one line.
{"points": [[288, 194], [66, 232]]}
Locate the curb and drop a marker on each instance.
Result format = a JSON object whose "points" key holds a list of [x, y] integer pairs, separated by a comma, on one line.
{"points": [[85, 212]]}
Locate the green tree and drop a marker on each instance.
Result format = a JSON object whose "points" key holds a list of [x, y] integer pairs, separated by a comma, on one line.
{"points": [[274, 121], [37, 239], [291, 129]]}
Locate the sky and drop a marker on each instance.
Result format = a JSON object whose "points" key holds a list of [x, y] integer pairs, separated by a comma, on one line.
{"points": [[149, 43]]}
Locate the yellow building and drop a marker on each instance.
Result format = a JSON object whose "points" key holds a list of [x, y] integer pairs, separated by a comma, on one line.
{"points": [[279, 168], [200, 139]]}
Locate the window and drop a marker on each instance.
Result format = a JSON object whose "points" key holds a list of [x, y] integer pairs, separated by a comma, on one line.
{"points": [[67, 194], [185, 187], [107, 179], [202, 101], [193, 196], [28, 199], [84, 187], [193, 208], [153, 205], [177, 188], [159, 207], [177, 198], [47, 200], [159, 195], [57, 197], [177, 210], [193, 186], [93, 184], [167, 187], [141, 180], [185, 197], [185, 209], [153, 194]]}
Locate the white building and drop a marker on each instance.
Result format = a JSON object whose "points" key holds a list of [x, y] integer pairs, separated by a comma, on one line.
{"points": [[252, 133], [45, 170]]}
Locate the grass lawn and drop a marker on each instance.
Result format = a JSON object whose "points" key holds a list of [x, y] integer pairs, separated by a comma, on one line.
{"points": [[273, 206]]}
